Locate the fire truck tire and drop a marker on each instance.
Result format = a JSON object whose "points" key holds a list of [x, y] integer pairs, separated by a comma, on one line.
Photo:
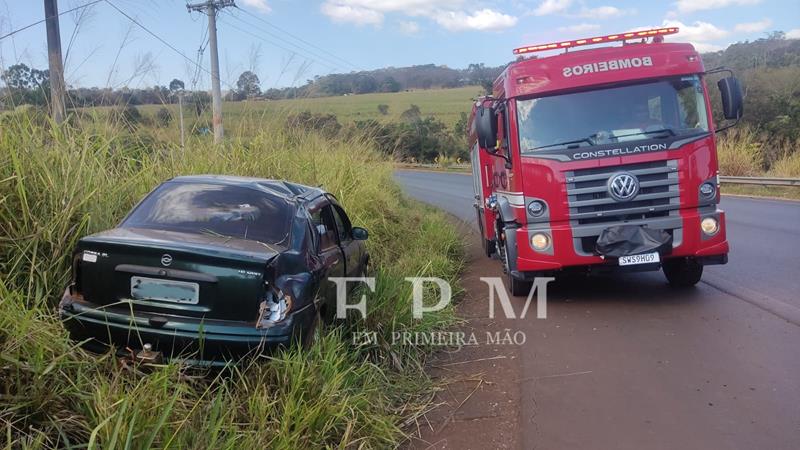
{"points": [[682, 272], [518, 288], [489, 247]]}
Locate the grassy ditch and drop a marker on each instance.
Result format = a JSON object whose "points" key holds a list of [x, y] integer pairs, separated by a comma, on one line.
{"points": [[57, 184]]}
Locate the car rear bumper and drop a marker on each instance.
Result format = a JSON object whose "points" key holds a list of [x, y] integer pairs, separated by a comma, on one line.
{"points": [[197, 341]]}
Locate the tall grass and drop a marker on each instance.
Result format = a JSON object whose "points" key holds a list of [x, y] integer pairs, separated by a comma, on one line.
{"points": [[60, 183], [743, 151], [739, 153], [788, 165]]}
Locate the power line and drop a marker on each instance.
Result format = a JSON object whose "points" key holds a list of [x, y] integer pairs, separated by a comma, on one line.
{"points": [[47, 18], [302, 52], [151, 33], [287, 33]]}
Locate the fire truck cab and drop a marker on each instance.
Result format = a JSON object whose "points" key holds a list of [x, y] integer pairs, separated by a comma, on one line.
{"points": [[601, 159]]}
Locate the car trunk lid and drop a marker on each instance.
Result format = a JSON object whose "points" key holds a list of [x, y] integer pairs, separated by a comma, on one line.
{"points": [[174, 273]]}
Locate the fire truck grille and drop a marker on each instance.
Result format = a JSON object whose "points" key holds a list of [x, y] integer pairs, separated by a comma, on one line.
{"points": [[590, 202], [592, 209]]}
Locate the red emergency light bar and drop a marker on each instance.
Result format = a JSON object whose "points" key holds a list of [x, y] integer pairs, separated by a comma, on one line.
{"points": [[596, 40]]}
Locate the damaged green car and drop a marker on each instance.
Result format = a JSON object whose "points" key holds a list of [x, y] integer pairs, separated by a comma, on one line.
{"points": [[211, 268]]}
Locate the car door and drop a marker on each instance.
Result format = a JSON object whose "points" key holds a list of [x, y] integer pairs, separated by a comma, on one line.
{"points": [[352, 249], [328, 249]]}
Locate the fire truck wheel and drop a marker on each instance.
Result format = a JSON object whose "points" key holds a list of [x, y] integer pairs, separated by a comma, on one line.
{"points": [[518, 288], [682, 272], [488, 247]]}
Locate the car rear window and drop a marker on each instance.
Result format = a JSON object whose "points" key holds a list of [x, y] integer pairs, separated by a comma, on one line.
{"points": [[215, 209]]}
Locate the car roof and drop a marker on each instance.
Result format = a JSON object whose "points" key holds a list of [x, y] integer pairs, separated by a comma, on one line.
{"points": [[279, 188]]}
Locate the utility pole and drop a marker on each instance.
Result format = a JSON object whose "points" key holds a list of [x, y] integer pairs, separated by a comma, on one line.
{"points": [[57, 85], [180, 113], [211, 7]]}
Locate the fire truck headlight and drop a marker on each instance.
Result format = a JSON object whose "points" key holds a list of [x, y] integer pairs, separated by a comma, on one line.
{"points": [[710, 226], [540, 241], [708, 190], [536, 208]]}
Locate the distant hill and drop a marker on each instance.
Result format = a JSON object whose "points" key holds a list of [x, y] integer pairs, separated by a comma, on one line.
{"points": [[769, 69], [772, 52], [390, 79]]}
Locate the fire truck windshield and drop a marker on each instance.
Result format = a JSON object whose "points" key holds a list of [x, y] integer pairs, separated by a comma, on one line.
{"points": [[654, 109]]}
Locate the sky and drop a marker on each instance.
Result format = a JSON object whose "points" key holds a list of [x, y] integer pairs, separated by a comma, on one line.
{"points": [[287, 42]]}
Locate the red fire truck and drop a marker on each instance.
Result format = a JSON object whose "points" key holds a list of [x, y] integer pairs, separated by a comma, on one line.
{"points": [[602, 159]]}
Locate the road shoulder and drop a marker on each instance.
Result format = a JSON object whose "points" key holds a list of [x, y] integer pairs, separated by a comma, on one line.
{"points": [[477, 405]]}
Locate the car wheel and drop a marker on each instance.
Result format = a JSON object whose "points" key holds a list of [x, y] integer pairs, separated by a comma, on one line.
{"points": [[682, 272]]}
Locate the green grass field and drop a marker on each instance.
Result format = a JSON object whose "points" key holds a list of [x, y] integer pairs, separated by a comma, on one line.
{"points": [[60, 183], [444, 104]]}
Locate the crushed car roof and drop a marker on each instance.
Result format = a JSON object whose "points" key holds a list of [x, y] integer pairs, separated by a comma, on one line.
{"points": [[279, 188]]}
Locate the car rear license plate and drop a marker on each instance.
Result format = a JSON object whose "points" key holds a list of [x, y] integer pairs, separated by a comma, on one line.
{"points": [[143, 288], [645, 258]]}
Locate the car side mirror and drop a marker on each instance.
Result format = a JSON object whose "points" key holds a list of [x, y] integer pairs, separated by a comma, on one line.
{"points": [[486, 127], [732, 99], [360, 234]]}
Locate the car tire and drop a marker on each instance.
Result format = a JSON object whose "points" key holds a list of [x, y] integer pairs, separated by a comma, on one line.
{"points": [[682, 272]]}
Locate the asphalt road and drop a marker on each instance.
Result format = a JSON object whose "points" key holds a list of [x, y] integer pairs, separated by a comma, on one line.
{"points": [[627, 362]]}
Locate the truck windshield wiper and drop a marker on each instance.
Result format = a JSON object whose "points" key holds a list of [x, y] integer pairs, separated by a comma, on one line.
{"points": [[669, 131], [587, 140], [591, 139]]}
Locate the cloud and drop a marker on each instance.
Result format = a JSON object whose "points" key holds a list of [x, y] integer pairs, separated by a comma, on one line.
{"points": [[702, 35], [793, 34], [408, 27], [696, 32], [705, 47], [452, 15], [260, 5], [579, 28], [753, 27], [603, 12], [548, 7], [485, 19], [354, 14], [687, 6]]}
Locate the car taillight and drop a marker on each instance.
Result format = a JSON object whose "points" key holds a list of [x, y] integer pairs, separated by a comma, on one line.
{"points": [[274, 308], [76, 274]]}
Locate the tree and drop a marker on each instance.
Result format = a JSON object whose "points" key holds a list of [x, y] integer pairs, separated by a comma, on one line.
{"points": [[176, 86], [364, 84], [20, 76], [390, 85], [26, 85], [248, 85]]}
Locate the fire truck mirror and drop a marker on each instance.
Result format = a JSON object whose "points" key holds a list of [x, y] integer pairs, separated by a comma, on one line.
{"points": [[732, 102], [486, 126]]}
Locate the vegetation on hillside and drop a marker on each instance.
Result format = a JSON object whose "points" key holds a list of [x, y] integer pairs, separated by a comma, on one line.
{"points": [[60, 183]]}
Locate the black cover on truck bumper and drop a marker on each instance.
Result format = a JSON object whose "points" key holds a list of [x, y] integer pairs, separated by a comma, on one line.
{"points": [[625, 240]]}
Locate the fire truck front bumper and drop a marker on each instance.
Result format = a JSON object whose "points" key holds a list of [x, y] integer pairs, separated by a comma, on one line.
{"points": [[542, 249]]}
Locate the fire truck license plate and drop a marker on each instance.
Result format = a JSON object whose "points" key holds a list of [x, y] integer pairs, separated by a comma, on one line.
{"points": [[646, 258]]}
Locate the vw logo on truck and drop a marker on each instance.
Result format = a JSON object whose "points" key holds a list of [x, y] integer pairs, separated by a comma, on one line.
{"points": [[623, 186]]}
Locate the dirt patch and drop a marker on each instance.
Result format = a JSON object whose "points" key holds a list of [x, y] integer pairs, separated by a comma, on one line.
{"points": [[477, 406]]}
